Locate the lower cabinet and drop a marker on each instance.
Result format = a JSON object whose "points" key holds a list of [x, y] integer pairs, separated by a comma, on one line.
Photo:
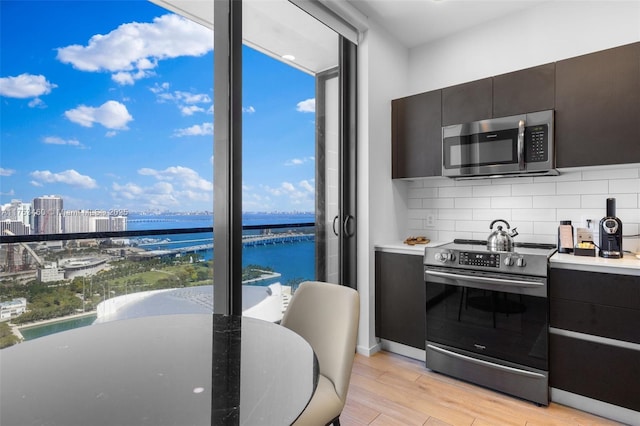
{"points": [[594, 344], [400, 299], [596, 370]]}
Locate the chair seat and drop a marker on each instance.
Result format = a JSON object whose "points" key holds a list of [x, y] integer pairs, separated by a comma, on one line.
{"points": [[325, 405]]}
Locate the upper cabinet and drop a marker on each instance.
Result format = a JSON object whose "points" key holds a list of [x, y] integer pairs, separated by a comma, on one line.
{"points": [[467, 102], [596, 99], [528, 90], [416, 136], [598, 108]]}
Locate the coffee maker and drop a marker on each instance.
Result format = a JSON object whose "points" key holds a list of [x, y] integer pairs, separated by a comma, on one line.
{"points": [[611, 233]]}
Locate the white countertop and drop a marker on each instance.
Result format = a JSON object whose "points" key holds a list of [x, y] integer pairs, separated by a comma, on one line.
{"points": [[402, 248], [628, 265]]}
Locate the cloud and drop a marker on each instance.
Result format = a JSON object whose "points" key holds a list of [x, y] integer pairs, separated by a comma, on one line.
{"points": [[203, 129], [186, 102], [184, 176], [301, 196], [288, 187], [133, 50], [10, 193], [26, 86], [159, 195], [249, 110], [6, 172], [35, 183], [308, 105], [307, 186], [54, 140], [175, 186], [111, 114], [299, 161], [69, 177]]}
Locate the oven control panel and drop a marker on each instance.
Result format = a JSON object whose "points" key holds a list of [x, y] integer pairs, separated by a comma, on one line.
{"points": [[487, 260]]}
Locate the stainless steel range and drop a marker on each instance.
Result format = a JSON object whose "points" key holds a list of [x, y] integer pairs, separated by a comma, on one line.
{"points": [[487, 315]]}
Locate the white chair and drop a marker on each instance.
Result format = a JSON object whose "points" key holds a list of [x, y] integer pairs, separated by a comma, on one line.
{"points": [[327, 316]]}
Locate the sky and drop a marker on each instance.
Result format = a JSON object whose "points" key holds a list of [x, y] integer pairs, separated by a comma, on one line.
{"points": [[109, 104]]}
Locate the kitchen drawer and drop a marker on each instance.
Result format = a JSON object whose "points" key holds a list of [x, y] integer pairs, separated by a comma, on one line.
{"points": [[599, 320], [593, 287], [599, 371], [606, 305]]}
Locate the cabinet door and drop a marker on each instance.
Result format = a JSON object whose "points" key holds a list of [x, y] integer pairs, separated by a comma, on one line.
{"points": [[467, 102], [400, 299], [417, 136], [528, 90], [598, 108], [603, 372]]}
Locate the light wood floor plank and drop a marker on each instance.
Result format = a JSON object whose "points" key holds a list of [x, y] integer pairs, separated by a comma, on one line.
{"points": [[391, 390]]}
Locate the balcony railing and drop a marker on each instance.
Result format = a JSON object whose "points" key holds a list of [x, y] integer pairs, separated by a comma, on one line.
{"points": [[55, 276]]}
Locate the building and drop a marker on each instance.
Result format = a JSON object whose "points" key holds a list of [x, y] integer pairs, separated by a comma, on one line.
{"points": [[17, 211], [118, 223], [78, 221], [12, 308], [50, 273], [47, 214], [15, 227]]}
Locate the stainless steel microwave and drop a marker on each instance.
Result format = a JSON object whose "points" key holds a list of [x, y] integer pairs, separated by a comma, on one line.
{"points": [[498, 147]]}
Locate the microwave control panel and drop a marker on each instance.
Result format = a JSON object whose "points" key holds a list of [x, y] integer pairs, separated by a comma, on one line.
{"points": [[536, 142]]}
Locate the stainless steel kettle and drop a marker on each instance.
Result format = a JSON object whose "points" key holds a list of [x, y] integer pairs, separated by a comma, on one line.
{"points": [[500, 240]]}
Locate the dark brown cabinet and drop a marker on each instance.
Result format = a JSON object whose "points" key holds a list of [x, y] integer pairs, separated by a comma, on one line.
{"points": [[467, 102], [400, 299], [596, 98], [594, 321], [416, 136], [598, 108], [528, 90]]}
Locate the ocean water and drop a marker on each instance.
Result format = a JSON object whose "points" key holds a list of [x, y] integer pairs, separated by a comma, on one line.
{"points": [[294, 261]]}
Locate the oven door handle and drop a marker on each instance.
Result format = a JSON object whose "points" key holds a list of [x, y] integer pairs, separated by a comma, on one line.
{"points": [[502, 281], [487, 363]]}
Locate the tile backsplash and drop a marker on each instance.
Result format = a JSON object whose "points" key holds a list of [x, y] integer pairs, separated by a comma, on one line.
{"points": [[444, 209]]}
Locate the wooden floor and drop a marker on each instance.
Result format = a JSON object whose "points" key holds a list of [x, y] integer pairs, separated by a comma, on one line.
{"points": [[389, 389]]}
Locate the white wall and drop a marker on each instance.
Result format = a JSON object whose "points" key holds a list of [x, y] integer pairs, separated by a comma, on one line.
{"points": [[548, 33], [382, 203]]}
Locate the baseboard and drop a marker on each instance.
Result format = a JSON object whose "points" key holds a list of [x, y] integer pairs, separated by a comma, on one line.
{"points": [[400, 349], [363, 350], [593, 406]]}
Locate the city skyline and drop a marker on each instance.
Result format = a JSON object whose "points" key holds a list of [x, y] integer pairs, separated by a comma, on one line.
{"points": [[117, 112]]}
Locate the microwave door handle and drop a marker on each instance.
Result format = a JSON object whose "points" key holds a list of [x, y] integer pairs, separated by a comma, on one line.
{"points": [[521, 124]]}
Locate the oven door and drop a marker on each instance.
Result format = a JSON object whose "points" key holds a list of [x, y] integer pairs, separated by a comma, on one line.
{"points": [[496, 316]]}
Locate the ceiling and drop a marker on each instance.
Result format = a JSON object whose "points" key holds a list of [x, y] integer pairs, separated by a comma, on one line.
{"points": [[416, 22], [277, 27]]}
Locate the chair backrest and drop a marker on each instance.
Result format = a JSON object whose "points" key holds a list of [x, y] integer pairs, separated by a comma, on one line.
{"points": [[327, 316]]}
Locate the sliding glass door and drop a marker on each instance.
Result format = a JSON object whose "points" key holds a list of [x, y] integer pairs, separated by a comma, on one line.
{"points": [[297, 175]]}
